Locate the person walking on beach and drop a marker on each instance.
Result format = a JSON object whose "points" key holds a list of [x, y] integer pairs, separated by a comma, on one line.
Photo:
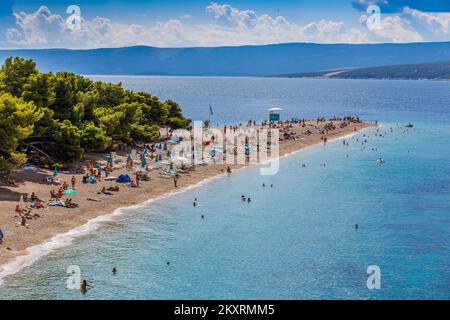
{"points": [[175, 180], [74, 181], [1, 236]]}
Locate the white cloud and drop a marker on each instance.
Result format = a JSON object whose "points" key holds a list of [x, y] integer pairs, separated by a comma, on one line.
{"points": [[437, 24], [229, 26]]}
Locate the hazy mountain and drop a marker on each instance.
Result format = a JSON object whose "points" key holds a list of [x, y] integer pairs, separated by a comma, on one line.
{"points": [[239, 61], [432, 71]]}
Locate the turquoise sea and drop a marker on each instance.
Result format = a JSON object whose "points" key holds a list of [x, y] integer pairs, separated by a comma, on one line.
{"points": [[295, 240]]}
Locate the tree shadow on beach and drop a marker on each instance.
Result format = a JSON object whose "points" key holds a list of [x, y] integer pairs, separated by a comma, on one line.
{"points": [[22, 176], [10, 195]]}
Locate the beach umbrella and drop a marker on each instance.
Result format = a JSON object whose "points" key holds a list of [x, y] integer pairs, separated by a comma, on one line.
{"points": [[111, 178], [168, 153], [129, 157], [21, 202], [171, 166], [165, 145], [55, 171], [70, 191], [156, 159], [143, 162]]}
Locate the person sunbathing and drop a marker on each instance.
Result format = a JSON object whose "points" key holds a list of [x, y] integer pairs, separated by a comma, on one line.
{"points": [[38, 204], [70, 204], [65, 186], [53, 194], [105, 192], [31, 216], [17, 211], [11, 182], [115, 189], [34, 197]]}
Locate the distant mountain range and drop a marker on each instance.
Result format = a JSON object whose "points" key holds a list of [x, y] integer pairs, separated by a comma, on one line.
{"points": [[264, 60], [429, 71]]}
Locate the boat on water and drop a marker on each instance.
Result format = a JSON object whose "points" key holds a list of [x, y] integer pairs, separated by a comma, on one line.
{"points": [[409, 125]]}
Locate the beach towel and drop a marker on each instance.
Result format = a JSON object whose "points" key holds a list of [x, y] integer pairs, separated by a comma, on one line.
{"points": [[57, 204]]}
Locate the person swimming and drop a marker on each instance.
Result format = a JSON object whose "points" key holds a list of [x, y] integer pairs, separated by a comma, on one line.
{"points": [[84, 287], [249, 200], [114, 270]]}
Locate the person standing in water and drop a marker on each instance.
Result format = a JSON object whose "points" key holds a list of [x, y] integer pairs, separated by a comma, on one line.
{"points": [[84, 286]]}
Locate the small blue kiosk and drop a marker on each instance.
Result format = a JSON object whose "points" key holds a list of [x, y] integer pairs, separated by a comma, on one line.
{"points": [[274, 114]]}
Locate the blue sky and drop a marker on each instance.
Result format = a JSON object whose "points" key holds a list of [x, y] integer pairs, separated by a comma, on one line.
{"points": [[177, 23]]}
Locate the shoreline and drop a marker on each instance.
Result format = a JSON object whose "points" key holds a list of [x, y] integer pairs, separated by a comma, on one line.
{"points": [[62, 237]]}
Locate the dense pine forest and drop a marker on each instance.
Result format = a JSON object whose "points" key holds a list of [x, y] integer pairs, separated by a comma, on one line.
{"points": [[63, 115]]}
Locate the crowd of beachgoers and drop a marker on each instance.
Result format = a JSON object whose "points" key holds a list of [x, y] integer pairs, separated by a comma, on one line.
{"points": [[42, 199]]}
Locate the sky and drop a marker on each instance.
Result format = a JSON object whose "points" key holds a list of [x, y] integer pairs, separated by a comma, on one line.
{"points": [[177, 23]]}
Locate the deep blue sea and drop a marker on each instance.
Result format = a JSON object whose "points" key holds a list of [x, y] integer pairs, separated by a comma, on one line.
{"points": [[295, 240]]}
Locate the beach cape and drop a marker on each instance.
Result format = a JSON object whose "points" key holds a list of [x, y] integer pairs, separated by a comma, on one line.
{"points": [[123, 178]]}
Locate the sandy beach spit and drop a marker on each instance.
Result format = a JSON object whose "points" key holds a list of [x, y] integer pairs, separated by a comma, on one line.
{"points": [[57, 220]]}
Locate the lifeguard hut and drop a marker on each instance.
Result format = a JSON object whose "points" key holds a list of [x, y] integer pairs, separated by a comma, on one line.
{"points": [[274, 114]]}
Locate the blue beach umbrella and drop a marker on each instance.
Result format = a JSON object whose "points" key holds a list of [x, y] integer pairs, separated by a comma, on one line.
{"points": [[171, 166], [168, 153], [129, 156], [55, 171], [165, 145]]}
